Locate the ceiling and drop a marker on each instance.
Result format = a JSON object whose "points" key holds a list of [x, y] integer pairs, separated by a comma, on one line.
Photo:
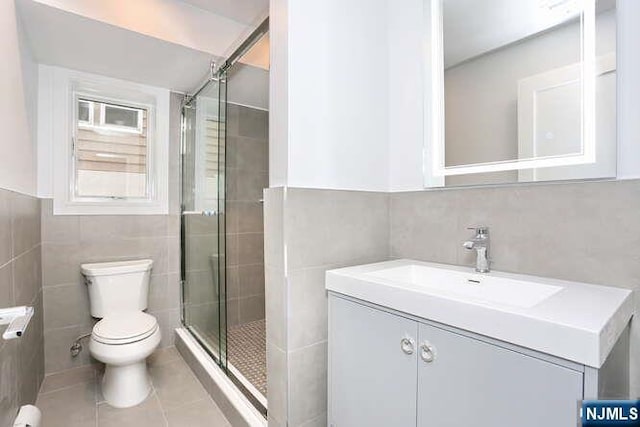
{"points": [[72, 38], [258, 55], [244, 11], [71, 41]]}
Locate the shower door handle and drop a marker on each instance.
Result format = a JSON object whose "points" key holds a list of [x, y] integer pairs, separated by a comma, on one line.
{"points": [[203, 213]]}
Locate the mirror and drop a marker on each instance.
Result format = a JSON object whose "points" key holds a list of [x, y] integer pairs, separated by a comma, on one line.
{"points": [[520, 91]]}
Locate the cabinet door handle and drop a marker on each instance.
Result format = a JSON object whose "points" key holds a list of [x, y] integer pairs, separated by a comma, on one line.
{"points": [[407, 345], [427, 352]]}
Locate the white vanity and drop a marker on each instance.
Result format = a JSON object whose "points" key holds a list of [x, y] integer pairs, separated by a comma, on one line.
{"points": [[423, 344]]}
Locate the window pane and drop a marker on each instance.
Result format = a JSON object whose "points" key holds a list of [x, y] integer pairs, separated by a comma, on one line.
{"points": [[114, 115], [83, 111], [112, 162]]}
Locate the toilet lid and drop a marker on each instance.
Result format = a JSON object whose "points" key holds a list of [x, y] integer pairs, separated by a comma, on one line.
{"points": [[123, 328]]}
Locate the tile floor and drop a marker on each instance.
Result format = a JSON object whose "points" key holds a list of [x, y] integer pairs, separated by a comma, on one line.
{"points": [[73, 399], [247, 351]]}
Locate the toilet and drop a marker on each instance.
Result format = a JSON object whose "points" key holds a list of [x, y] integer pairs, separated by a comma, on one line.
{"points": [[126, 335]]}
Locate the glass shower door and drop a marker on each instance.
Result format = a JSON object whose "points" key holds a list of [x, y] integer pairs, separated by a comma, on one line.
{"points": [[203, 219], [224, 171]]}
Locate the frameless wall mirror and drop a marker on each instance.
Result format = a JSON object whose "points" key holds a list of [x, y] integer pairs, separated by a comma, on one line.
{"points": [[520, 91]]}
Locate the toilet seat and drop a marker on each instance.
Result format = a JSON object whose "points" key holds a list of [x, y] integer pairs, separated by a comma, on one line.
{"points": [[124, 328]]}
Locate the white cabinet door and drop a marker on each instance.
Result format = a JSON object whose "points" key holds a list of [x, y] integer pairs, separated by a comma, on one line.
{"points": [[372, 367], [472, 383]]}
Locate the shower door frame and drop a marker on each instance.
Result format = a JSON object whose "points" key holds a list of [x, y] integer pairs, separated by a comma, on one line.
{"points": [[217, 76], [218, 354]]}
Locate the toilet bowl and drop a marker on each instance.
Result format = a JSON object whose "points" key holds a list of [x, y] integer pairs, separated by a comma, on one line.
{"points": [[126, 335], [122, 342]]}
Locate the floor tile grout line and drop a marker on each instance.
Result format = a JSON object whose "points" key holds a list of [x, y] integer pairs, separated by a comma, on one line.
{"points": [[162, 412], [40, 393], [195, 378], [95, 406]]}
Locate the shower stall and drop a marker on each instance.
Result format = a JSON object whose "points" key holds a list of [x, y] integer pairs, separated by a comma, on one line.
{"points": [[224, 170]]}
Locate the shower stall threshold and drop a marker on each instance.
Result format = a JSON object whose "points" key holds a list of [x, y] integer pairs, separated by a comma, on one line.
{"points": [[233, 403], [247, 384]]}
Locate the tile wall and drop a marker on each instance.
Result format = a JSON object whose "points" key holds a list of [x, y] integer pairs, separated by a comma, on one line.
{"points": [[21, 360], [314, 230], [587, 231], [70, 240], [575, 231], [246, 176], [201, 291]]}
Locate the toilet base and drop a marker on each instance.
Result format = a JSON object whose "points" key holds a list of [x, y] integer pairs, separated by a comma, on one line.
{"points": [[126, 386]]}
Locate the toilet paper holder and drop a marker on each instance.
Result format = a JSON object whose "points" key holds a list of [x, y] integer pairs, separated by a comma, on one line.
{"points": [[17, 318]]}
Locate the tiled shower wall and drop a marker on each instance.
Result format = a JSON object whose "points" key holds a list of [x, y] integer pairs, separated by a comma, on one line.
{"points": [[21, 360], [587, 231], [70, 240], [247, 174]]}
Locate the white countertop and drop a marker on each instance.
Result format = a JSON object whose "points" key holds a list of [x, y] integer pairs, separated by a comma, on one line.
{"points": [[581, 322]]}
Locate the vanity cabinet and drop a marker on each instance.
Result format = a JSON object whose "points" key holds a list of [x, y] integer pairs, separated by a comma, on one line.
{"points": [[470, 382], [373, 380], [389, 369]]}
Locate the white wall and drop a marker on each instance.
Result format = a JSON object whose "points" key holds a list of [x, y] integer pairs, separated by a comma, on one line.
{"points": [[333, 79], [406, 100], [406, 173], [347, 94], [19, 88], [628, 89]]}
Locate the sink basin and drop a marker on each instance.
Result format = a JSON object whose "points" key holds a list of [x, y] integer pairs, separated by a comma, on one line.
{"points": [[574, 321], [473, 288]]}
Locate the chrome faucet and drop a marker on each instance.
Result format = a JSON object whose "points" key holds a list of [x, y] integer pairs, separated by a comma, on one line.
{"points": [[480, 243]]}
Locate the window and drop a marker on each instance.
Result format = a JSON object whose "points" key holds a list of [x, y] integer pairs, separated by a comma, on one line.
{"points": [[122, 118], [110, 156], [85, 112], [108, 144]]}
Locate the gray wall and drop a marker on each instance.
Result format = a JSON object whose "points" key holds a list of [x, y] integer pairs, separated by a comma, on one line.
{"points": [[70, 240], [575, 231], [314, 230], [248, 85], [247, 174], [21, 360]]}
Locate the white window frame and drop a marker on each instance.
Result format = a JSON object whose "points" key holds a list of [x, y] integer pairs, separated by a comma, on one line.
{"points": [[129, 129], [148, 107], [58, 101]]}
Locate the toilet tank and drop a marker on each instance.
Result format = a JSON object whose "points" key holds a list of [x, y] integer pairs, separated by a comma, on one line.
{"points": [[117, 286]]}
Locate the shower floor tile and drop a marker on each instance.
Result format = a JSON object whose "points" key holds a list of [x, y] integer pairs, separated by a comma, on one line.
{"points": [[247, 352], [72, 398]]}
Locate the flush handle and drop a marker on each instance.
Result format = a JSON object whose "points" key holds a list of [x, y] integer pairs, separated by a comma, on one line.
{"points": [[427, 352], [407, 345]]}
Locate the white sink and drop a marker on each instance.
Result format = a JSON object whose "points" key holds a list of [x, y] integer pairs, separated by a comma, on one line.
{"points": [[575, 321], [470, 287]]}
